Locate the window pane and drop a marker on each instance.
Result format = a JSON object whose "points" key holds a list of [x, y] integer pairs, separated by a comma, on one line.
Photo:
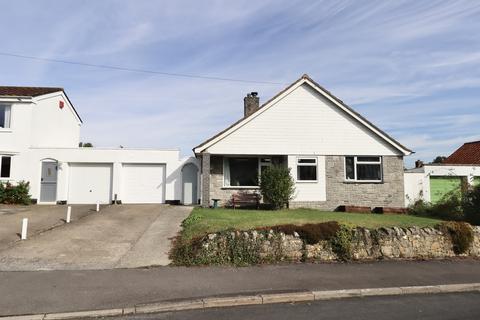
{"points": [[368, 159], [349, 168], [369, 172], [306, 161], [5, 168], [243, 171], [3, 111], [306, 173]]}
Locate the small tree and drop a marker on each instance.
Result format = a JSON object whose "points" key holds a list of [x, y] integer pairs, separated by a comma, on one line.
{"points": [[277, 186], [85, 145], [439, 159]]}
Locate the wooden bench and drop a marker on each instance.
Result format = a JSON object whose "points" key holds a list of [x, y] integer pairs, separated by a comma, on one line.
{"points": [[245, 199]]}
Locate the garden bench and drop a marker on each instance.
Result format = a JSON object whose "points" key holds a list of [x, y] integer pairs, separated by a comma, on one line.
{"points": [[245, 199]]}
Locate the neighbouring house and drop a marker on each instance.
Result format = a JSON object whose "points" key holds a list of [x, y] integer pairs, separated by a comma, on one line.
{"points": [[431, 182], [336, 156], [39, 143]]}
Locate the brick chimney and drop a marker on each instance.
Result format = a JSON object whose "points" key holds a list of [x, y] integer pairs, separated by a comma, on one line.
{"points": [[251, 103], [418, 164]]}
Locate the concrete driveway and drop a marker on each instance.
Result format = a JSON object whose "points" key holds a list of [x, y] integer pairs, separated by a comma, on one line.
{"points": [[40, 218], [121, 236]]}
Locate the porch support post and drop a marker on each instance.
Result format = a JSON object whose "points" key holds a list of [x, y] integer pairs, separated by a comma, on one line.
{"points": [[205, 180]]}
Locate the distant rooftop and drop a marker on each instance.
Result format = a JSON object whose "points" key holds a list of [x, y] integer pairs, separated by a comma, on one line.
{"points": [[469, 153]]}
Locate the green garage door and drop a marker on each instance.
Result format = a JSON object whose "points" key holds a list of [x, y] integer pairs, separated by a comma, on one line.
{"points": [[440, 186], [476, 181]]}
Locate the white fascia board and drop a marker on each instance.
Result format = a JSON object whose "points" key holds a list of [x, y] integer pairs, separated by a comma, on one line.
{"points": [[10, 99], [248, 119], [359, 119], [65, 99], [283, 95]]}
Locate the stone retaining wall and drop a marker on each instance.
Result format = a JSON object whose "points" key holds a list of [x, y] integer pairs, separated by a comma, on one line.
{"points": [[383, 243]]}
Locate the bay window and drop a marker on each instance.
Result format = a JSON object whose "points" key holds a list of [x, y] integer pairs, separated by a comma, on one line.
{"points": [[243, 171], [5, 111], [363, 168]]}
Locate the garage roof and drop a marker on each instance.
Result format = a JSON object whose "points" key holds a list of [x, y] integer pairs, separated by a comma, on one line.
{"points": [[469, 153]]}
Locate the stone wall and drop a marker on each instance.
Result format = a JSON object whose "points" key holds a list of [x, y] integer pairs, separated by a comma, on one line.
{"points": [[383, 243], [388, 193]]}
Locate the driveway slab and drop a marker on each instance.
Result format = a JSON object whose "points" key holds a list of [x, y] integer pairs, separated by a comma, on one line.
{"points": [[40, 218], [118, 236]]}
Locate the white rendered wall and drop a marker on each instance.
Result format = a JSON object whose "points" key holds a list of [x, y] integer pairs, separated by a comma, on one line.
{"points": [[305, 123], [309, 191]]}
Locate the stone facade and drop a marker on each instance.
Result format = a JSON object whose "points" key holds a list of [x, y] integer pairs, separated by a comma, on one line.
{"points": [[388, 193], [383, 243]]}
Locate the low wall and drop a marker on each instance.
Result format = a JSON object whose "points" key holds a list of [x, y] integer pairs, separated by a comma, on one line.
{"points": [[383, 243]]}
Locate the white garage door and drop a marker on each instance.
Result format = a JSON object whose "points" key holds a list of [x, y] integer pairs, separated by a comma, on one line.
{"points": [[143, 183], [89, 183]]}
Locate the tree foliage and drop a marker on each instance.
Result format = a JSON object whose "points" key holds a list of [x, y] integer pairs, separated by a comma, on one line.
{"points": [[277, 186]]}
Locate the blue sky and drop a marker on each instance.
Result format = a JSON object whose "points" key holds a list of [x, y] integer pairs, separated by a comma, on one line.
{"points": [[411, 67]]}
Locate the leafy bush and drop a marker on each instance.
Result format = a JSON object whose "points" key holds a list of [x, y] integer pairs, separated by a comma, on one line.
{"points": [[15, 194], [342, 243], [460, 233], [471, 205], [277, 186], [447, 208], [311, 233]]}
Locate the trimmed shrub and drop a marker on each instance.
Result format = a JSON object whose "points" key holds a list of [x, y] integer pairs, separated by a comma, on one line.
{"points": [[342, 243], [277, 186], [471, 205], [460, 233], [311, 233], [15, 194]]}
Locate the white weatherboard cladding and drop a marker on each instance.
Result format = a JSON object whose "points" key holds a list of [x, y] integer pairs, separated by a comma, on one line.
{"points": [[89, 183], [309, 191], [143, 183], [304, 123]]}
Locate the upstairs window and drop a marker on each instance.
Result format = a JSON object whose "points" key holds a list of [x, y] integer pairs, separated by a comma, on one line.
{"points": [[5, 163], [307, 169], [5, 115], [366, 169]]}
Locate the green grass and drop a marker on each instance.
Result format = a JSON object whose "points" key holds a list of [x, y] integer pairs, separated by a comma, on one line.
{"points": [[203, 221]]}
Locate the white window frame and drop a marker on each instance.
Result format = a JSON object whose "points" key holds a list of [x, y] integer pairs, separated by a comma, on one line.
{"points": [[380, 162], [314, 164], [8, 116], [11, 161]]}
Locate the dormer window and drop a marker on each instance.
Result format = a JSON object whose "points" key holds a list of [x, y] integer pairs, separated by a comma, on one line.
{"points": [[5, 111]]}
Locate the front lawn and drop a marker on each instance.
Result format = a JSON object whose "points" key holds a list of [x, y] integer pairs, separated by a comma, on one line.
{"points": [[203, 221]]}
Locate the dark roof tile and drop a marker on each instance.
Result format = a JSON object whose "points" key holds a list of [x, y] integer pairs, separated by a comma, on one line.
{"points": [[469, 153], [26, 91]]}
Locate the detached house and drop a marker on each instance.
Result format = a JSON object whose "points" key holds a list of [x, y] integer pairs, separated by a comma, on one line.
{"points": [[336, 156], [39, 143]]}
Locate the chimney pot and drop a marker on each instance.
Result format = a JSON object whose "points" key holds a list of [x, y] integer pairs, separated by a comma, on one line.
{"points": [[251, 103]]}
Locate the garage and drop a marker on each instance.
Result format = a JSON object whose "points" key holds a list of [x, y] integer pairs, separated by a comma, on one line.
{"points": [[89, 183], [143, 183], [442, 185]]}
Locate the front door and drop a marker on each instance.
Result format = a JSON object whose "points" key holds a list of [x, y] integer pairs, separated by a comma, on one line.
{"points": [[48, 185]]}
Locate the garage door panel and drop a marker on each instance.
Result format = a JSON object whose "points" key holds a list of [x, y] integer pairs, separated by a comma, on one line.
{"points": [[143, 183], [89, 183], [440, 186]]}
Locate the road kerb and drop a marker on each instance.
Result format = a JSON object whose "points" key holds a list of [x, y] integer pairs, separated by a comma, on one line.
{"points": [[287, 297], [420, 289], [169, 306], [446, 288], [393, 291], [231, 301], [84, 314], [25, 317], [336, 294]]}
